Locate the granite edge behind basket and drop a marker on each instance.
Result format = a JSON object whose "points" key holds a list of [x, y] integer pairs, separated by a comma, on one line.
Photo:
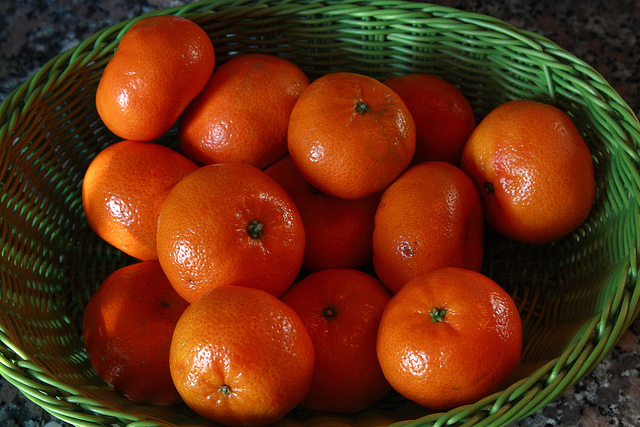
{"points": [[576, 296]]}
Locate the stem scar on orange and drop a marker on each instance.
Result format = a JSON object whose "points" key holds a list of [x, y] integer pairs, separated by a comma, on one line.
{"points": [[350, 135]]}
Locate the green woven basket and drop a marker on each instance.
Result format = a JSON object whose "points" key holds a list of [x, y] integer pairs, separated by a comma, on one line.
{"points": [[576, 296]]}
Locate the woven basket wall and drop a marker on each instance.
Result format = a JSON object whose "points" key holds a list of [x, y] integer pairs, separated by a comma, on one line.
{"points": [[576, 296]]}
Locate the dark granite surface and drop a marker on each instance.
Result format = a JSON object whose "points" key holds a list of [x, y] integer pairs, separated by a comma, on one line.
{"points": [[603, 33]]}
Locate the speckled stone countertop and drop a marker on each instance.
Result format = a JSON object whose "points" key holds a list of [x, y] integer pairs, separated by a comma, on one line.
{"points": [[603, 33]]}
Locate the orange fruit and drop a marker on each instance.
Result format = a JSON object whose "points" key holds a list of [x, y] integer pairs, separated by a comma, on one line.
{"points": [[127, 328], [161, 64], [533, 170], [338, 231], [448, 338], [240, 356], [430, 217], [341, 309], [229, 224], [242, 114], [123, 189], [350, 135], [443, 116]]}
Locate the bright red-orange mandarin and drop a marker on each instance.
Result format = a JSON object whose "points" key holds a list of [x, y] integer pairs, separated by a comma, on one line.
{"points": [[229, 224], [161, 64], [533, 170], [350, 135], [240, 356], [449, 338]]}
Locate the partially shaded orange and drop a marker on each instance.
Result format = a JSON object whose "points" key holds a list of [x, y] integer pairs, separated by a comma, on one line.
{"points": [[338, 232], [341, 309], [443, 116], [127, 330]]}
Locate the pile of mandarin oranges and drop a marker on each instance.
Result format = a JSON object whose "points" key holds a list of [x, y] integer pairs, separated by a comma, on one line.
{"points": [[314, 244]]}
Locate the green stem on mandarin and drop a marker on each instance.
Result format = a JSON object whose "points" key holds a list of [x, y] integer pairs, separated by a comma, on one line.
{"points": [[362, 107], [437, 314], [255, 228], [225, 389]]}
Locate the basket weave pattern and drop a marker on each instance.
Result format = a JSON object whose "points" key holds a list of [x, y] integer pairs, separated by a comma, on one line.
{"points": [[576, 296]]}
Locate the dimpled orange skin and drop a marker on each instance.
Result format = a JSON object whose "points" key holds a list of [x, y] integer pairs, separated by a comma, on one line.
{"points": [[123, 190], [350, 135], [456, 361], [127, 329], [341, 309], [161, 64], [338, 231], [430, 217], [443, 116], [240, 356], [203, 237], [533, 170], [242, 114]]}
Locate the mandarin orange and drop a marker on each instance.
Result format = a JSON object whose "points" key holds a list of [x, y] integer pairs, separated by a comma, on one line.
{"points": [[533, 170], [443, 116], [127, 329], [448, 338], [123, 189], [161, 64], [341, 309], [229, 224], [430, 217], [350, 135], [240, 356], [242, 114], [338, 232]]}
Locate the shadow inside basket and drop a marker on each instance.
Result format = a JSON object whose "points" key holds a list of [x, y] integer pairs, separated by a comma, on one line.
{"points": [[575, 296]]}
